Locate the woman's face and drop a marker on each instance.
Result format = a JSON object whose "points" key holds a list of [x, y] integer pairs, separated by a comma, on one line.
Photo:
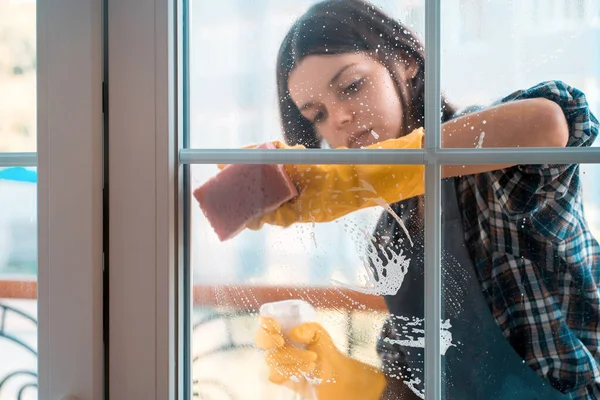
{"points": [[350, 98]]}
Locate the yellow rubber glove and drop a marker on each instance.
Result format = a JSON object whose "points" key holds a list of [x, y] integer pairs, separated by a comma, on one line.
{"points": [[320, 368], [328, 192]]}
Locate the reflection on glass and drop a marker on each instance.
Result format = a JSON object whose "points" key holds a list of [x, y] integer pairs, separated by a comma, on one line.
{"points": [[509, 49], [519, 261], [301, 254], [353, 235], [17, 76], [18, 290], [18, 208], [233, 52], [334, 266], [233, 79], [499, 252]]}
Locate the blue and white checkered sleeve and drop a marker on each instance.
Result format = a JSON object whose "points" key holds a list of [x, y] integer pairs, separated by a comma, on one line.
{"points": [[525, 189]]}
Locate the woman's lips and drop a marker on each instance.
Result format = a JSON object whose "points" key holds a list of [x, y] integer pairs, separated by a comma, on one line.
{"points": [[360, 138]]}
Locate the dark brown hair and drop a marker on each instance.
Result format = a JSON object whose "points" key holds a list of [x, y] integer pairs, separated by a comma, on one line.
{"points": [[344, 26]]}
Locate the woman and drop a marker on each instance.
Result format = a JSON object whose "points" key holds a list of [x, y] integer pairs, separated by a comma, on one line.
{"points": [[521, 306]]}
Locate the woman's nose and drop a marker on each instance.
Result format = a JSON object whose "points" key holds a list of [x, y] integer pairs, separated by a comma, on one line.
{"points": [[342, 115]]}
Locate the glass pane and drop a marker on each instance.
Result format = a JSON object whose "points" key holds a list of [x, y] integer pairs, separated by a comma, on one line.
{"points": [[520, 266], [233, 58], [18, 208], [542, 248], [330, 263], [17, 76], [493, 49], [18, 283]]}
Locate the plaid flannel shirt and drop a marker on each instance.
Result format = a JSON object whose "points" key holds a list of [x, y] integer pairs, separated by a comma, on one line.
{"points": [[537, 262]]}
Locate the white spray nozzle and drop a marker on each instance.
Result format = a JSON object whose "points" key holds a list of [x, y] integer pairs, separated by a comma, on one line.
{"points": [[289, 313]]}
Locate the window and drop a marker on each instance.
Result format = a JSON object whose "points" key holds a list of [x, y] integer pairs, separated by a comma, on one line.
{"points": [[185, 312], [18, 205], [231, 279], [18, 282], [50, 228]]}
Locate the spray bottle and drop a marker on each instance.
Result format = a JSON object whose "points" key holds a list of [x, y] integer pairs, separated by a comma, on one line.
{"points": [[290, 313]]}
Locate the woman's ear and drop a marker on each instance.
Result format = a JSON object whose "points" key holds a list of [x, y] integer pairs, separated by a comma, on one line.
{"points": [[411, 71], [407, 68]]}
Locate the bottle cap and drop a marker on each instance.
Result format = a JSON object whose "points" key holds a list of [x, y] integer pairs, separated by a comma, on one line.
{"points": [[289, 313]]}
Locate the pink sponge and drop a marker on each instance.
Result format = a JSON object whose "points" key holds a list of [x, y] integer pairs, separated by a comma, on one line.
{"points": [[242, 192]]}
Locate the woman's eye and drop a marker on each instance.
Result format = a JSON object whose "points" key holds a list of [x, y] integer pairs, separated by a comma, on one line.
{"points": [[354, 87], [318, 117]]}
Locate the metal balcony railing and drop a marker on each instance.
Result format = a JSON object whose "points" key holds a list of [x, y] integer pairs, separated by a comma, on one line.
{"points": [[230, 308]]}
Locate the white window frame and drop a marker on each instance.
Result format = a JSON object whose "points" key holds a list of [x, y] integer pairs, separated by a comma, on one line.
{"points": [[69, 163], [143, 357], [145, 195], [69, 198]]}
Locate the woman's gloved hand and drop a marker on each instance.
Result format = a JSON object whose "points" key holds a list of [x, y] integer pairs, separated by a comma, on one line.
{"points": [[328, 192], [331, 374]]}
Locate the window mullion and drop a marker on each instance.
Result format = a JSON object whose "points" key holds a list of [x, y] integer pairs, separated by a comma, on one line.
{"points": [[309, 156], [432, 244], [142, 200], [532, 155], [18, 159]]}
